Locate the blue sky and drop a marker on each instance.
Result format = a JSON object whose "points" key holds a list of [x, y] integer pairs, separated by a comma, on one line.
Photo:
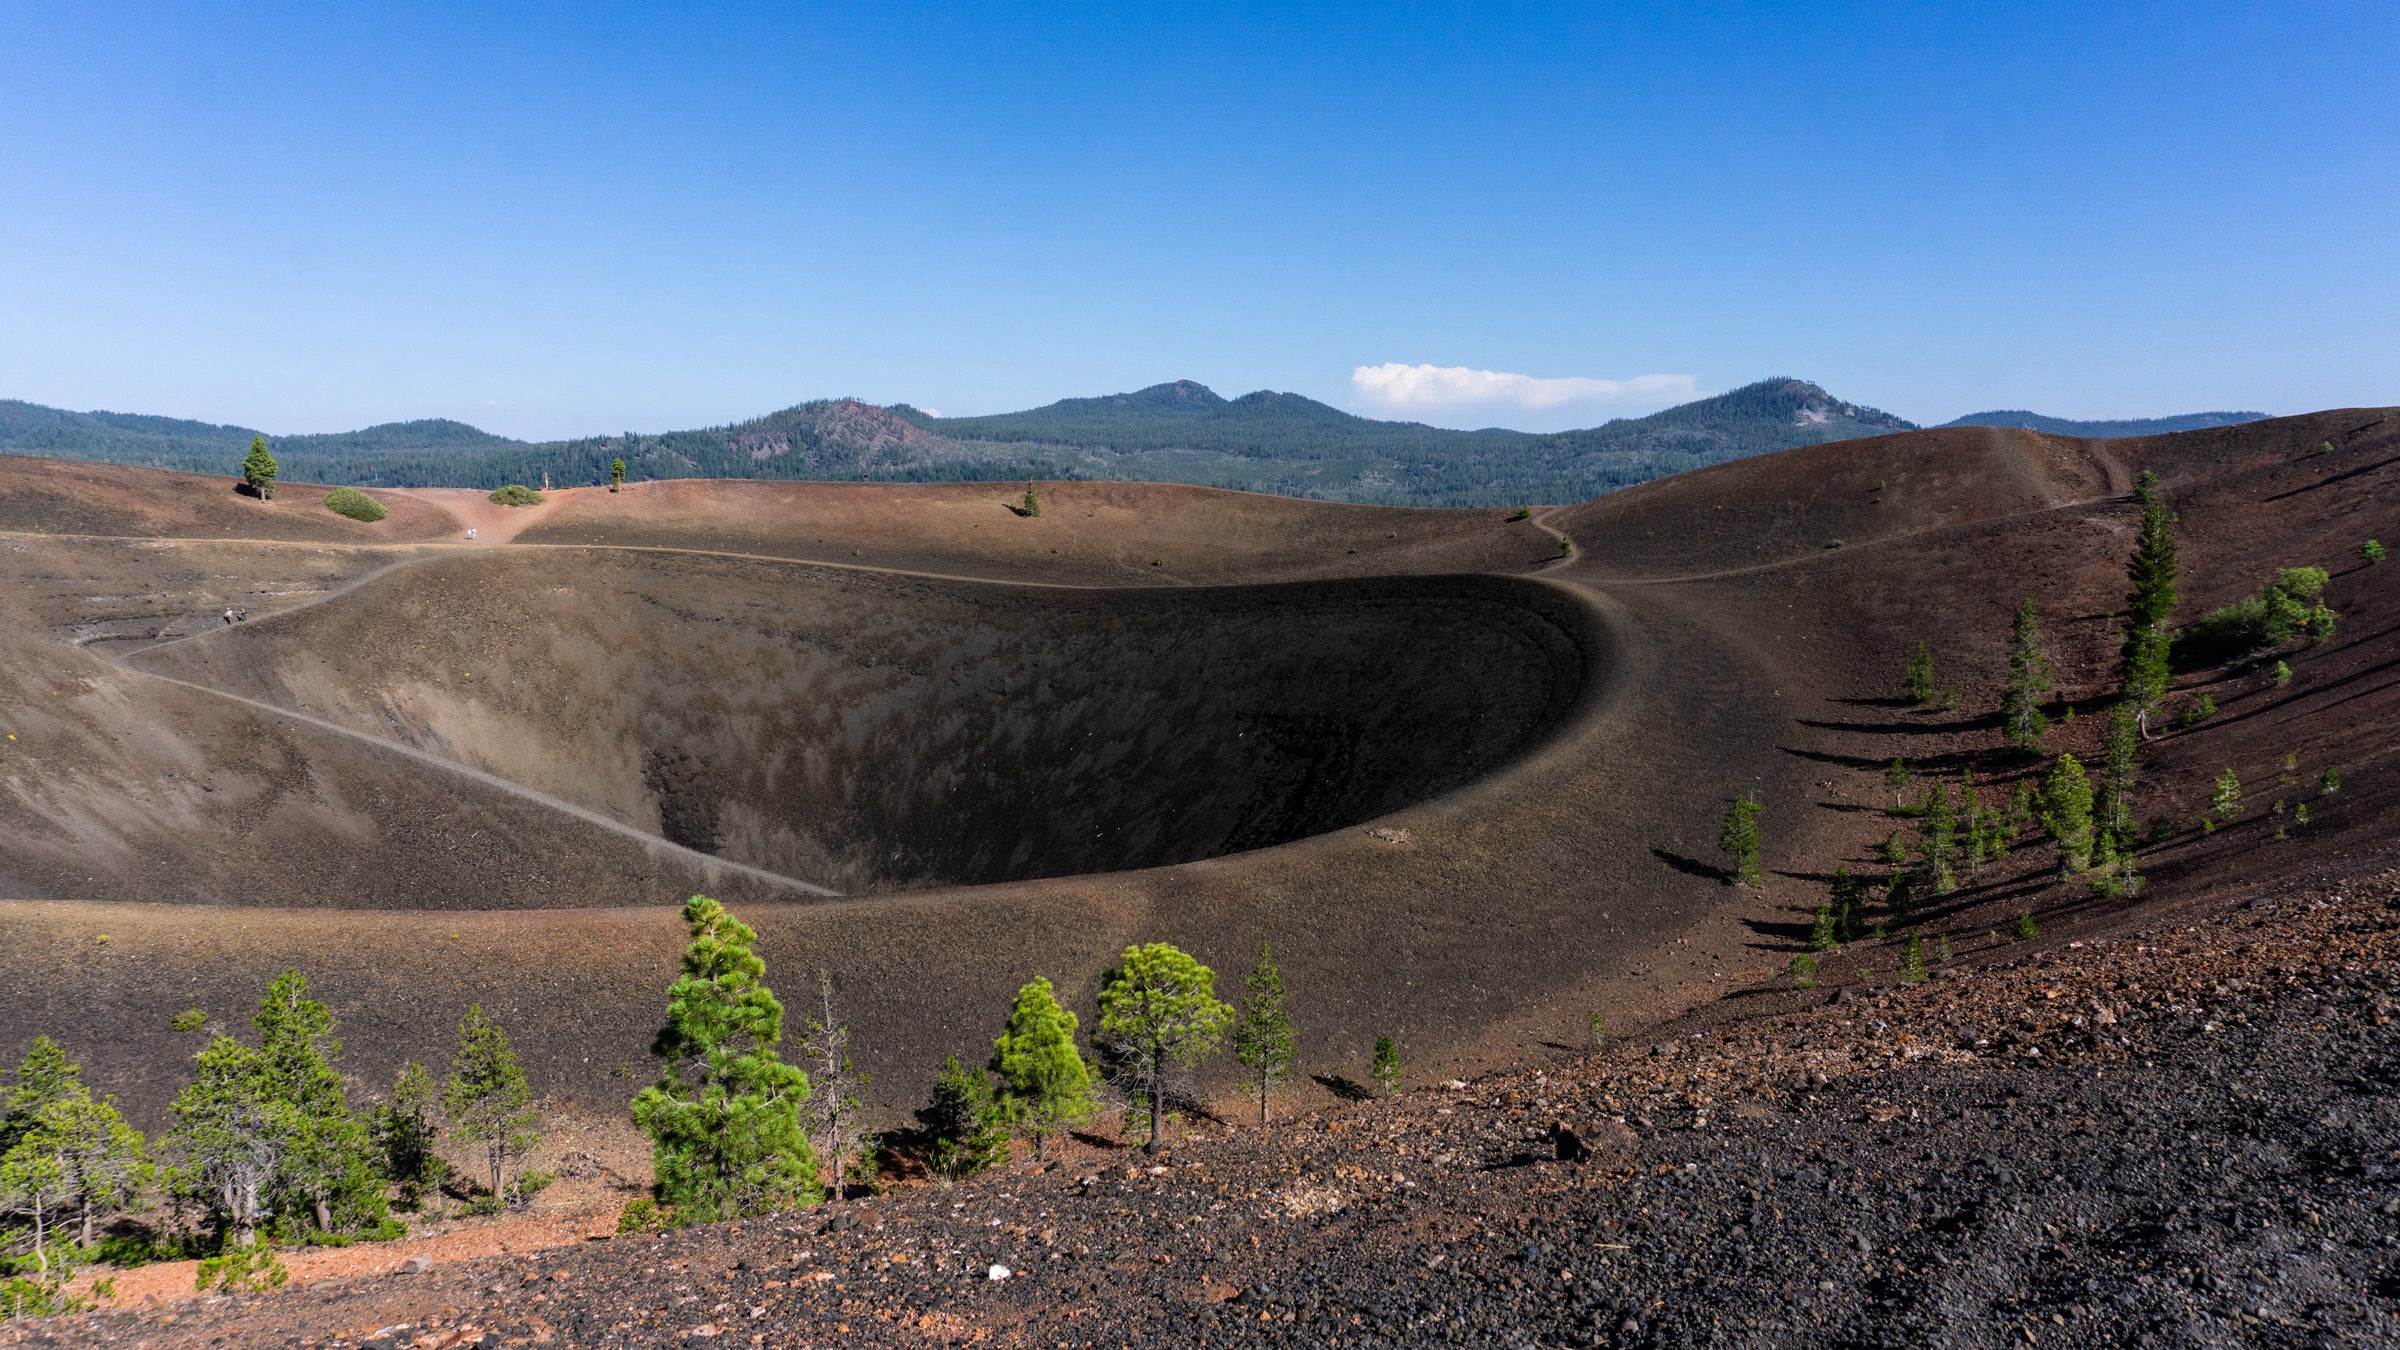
{"points": [[580, 218]]}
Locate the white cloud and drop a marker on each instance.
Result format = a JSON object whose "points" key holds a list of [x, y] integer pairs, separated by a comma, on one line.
{"points": [[1433, 390]]}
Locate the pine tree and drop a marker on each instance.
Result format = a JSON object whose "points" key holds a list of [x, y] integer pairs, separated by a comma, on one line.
{"points": [[259, 469], [1739, 838], [2067, 813], [1918, 682], [1972, 822], [1263, 1040], [405, 1132], [1159, 1008], [2144, 678], [45, 1076], [1899, 896], [616, 474], [105, 1161], [33, 1184], [1912, 961], [2120, 770], [230, 1140], [1821, 929], [965, 1127], [2225, 802], [1386, 1066], [1033, 504], [1045, 1087], [2021, 720], [1894, 849], [490, 1104], [724, 1119], [331, 1168], [1896, 778], [835, 1116]]}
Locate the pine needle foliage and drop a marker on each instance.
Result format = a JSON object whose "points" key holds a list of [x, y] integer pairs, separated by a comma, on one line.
{"points": [[2029, 673], [724, 1119], [1045, 1086], [965, 1128], [1738, 837], [259, 469], [2067, 813], [1386, 1066], [490, 1104], [1918, 681], [1263, 1039], [407, 1136], [1159, 1009]]}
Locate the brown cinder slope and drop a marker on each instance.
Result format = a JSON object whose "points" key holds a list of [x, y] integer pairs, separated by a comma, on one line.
{"points": [[1565, 866]]}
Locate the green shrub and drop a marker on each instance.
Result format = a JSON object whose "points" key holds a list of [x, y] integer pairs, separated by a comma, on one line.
{"points": [[243, 1270], [2372, 551], [355, 504], [1521, 513], [2199, 710], [640, 1216], [21, 1297], [2026, 931], [2287, 608], [1804, 971], [190, 1019], [516, 494]]}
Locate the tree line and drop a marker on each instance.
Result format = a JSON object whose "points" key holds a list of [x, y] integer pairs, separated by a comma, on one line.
{"points": [[263, 1147], [735, 1129]]}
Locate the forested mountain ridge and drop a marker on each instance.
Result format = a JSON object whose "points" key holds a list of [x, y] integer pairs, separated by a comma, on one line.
{"points": [[2132, 426], [1180, 432]]}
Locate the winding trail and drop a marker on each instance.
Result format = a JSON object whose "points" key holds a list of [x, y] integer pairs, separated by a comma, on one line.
{"points": [[708, 862]]}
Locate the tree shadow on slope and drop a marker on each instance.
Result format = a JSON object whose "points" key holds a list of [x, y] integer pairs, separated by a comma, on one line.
{"points": [[1348, 1089], [1690, 867], [1940, 765], [1984, 722]]}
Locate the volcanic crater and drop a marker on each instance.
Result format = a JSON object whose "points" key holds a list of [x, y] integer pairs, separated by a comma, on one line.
{"points": [[862, 732]]}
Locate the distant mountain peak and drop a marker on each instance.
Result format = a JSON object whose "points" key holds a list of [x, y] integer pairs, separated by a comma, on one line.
{"points": [[1174, 393]]}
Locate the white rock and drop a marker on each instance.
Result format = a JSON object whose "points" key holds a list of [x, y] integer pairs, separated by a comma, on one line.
{"points": [[997, 1272]]}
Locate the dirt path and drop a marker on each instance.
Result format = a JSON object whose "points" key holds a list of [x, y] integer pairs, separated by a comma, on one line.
{"points": [[491, 522], [168, 1282], [707, 861]]}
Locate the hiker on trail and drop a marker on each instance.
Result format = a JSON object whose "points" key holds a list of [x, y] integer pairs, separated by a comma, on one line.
{"points": [[229, 617], [241, 616], [470, 534]]}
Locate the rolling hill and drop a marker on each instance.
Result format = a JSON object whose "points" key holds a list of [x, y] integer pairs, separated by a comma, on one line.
{"points": [[1180, 432], [2102, 430]]}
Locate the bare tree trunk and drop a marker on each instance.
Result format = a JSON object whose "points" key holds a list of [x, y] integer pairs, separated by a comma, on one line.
{"points": [[87, 1221], [41, 1254], [1158, 1108], [324, 1215]]}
